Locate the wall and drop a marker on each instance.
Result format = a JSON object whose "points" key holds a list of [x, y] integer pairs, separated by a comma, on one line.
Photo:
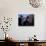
{"points": [[11, 8], [45, 29]]}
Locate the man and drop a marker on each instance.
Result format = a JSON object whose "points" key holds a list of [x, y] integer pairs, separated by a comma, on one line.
{"points": [[20, 20]]}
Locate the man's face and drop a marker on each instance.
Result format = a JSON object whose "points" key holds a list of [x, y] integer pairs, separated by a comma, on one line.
{"points": [[30, 19]]}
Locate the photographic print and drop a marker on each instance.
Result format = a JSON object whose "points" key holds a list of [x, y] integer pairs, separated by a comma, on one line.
{"points": [[26, 20]]}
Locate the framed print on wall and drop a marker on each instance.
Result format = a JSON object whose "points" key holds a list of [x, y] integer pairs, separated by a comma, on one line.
{"points": [[25, 19]]}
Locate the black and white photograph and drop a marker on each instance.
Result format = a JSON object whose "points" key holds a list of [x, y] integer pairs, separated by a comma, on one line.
{"points": [[26, 19]]}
